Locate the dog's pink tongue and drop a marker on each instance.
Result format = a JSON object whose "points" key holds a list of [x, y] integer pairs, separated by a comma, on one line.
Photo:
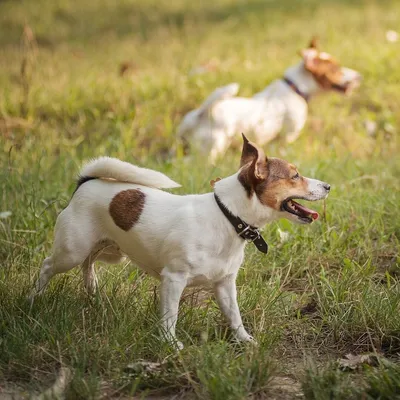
{"points": [[313, 214]]}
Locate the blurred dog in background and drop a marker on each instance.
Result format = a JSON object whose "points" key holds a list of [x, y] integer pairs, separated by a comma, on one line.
{"points": [[280, 107]]}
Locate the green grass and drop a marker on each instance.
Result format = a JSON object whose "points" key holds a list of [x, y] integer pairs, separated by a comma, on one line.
{"points": [[330, 383], [330, 289]]}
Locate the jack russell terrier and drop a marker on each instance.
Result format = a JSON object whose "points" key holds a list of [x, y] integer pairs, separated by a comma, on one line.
{"points": [[281, 106], [118, 210]]}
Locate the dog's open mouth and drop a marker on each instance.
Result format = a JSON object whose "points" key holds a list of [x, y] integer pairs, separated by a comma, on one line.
{"points": [[303, 213], [343, 88], [347, 87]]}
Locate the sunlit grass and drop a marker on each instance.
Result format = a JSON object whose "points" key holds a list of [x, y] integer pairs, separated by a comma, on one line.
{"points": [[331, 288]]}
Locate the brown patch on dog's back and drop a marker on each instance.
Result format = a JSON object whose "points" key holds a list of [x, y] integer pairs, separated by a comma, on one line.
{"points": [[126, 207]]}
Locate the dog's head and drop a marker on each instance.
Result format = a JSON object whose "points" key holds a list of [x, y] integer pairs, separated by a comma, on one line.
{"points": [[277, 184], [327, 71]]}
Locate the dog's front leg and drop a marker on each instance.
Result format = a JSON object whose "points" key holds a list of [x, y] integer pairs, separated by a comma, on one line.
{"points": [[225, 292], [172, 285]]}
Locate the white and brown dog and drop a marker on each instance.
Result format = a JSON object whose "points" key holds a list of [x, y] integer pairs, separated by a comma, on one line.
{"points": [[119, 210], [280, 107]]}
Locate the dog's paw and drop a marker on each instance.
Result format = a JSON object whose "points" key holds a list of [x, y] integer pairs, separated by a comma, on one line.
{"points": [[252, 341], [179, 345], [31, 298], [176, 344], [246, 338]]}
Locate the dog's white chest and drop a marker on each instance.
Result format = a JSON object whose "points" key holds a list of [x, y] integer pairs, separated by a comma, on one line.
{"points": [[211, 269]]}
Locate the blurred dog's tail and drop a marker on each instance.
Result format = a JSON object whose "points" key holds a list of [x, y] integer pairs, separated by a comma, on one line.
{"points": [[121, 171], [191, 119], [222, 93]]}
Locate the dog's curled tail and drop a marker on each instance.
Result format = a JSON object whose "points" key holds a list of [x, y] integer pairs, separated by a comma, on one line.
{"points": [[191, 120], [112, 168], [217, 95]]}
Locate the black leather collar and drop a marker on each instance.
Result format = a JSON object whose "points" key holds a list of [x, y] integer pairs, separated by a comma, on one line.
{"points": [[244, 230], [305, 96]]}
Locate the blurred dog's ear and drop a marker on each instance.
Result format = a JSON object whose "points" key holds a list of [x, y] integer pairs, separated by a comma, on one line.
{"points": [[314, 43], [310, 53], [255, 157]]}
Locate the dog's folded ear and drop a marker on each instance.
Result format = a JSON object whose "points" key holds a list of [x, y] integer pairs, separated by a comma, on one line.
{"points": [[255, 157]]}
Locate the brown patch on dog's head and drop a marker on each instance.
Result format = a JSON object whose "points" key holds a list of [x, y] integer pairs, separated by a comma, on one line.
{"points": [[126, 207], [283, 182], [272, 180], [326, 70], [277, 183]]}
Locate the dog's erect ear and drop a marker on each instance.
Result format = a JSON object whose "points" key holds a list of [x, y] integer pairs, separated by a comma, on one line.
{"points": [[314, 43], [255, 155], [249, 151]]}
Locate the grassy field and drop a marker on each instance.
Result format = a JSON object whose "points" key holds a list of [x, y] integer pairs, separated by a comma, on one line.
{"points": [[327, 290]]}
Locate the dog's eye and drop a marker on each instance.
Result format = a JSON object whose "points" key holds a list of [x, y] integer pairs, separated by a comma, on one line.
{"points": [[297, 176]]}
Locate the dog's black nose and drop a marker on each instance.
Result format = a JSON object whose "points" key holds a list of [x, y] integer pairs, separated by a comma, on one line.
{"points": [[327, 187]]}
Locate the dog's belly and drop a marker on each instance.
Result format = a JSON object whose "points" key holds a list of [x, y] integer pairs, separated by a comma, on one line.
{"points": [[200, 280], [211, 268], [206, 273], [208, 279], [204, 269], [146, 260]]}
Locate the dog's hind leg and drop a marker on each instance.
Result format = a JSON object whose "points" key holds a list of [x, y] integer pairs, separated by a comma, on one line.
{"points": [[46, 273], [89, 274], [220, 145], [172, 285], [72, 244], [105, 251], [55, 264], [292, 136]]}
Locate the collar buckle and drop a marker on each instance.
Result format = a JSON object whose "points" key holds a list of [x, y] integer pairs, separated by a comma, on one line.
{"points": [[256, 236], [244, 230], [249, 234]]}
